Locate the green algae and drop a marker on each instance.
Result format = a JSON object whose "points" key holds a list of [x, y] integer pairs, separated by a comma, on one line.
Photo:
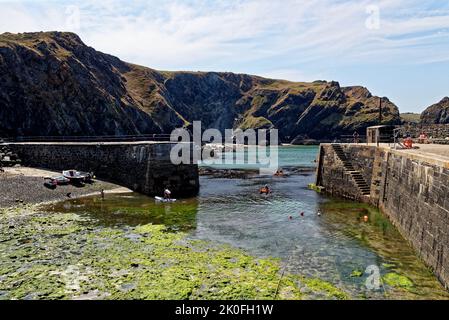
{"points": [[64, 256], [318, 285], [74, 255], [356, 273], [315, 188], [397, 257], [124, 210], [398, 281]]}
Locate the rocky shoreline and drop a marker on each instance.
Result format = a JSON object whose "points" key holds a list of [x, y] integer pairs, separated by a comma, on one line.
{"points": [[250, 173], [22, 186]]}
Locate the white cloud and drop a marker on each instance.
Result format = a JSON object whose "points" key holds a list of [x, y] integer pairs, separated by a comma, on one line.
{"points": [[285, 38], [292, 75], [185, 34]]}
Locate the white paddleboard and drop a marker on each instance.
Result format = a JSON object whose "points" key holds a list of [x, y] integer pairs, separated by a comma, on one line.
{"points": [[160, 199]]}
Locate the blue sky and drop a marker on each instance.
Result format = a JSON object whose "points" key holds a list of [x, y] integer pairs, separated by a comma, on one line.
{"points": [[396, 48]]}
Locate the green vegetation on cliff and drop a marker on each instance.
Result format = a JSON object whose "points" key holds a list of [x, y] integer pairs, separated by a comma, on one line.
{"points": [[410, 117], [437, 113], [53, 84]]}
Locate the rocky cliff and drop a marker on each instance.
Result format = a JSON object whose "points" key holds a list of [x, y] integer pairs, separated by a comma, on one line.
{"points": [[437, 113], [53, 84]]}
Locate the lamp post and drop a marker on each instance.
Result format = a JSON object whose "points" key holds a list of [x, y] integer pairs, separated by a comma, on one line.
{"points": [[380, 111]]}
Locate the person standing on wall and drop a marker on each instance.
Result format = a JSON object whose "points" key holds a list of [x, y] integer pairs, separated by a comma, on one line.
{"points": [[356, 137]]}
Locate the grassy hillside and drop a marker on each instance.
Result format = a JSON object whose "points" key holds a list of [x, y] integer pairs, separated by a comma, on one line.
{"points": [[53, 84]]}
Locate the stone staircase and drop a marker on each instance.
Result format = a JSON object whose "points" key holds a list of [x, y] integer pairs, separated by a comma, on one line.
{"points": [[7, 157], [358, 178]]}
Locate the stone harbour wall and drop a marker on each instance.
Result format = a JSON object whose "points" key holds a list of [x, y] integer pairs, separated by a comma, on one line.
{"points": [[411, 189], [415, 196], [332, 175], [143, 167]]}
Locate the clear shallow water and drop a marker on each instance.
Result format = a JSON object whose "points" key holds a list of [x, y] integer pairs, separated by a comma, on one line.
{"points": [[332, 246]]}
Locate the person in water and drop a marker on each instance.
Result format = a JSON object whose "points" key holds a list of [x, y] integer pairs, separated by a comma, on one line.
{"points": [[279, 173], [265, 190], [167, 194]]}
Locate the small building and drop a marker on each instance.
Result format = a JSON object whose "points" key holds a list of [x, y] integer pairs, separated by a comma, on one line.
{"points": [[380, 134]]}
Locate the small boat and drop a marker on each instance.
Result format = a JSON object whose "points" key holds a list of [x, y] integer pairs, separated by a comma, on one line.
{"points": [[50, 184], [160, 199], [74, 176], [89, 176], [58, 180]]}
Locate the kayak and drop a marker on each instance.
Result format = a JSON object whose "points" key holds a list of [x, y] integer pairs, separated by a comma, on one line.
{"points": [[160, 199]]}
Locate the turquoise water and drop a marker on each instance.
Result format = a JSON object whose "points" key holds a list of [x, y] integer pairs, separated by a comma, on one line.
{"points": [[288, 156]]}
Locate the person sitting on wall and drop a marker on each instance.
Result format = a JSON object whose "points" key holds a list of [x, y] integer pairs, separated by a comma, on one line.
{"points": [[408, 143], [422, 138], [426, 138]]}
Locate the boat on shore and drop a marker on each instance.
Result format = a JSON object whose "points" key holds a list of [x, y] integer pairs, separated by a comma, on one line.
{"points": [[58, 180], [77, 176]]}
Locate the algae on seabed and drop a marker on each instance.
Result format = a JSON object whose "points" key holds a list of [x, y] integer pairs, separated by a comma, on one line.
{"points": [[403, 274], [68, 256]]}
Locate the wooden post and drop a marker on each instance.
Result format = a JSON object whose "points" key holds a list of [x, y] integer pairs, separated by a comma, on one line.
{"points": [[377, 136]]}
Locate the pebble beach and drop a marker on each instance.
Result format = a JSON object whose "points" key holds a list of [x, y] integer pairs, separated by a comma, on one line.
{"points": [[21, 186]]}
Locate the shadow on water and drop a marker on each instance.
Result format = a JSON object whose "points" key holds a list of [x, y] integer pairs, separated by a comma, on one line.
{"points": [[132, 209]]}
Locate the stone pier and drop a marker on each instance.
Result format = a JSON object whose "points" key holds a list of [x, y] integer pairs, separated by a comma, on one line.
{"points": [[410, 186], [144, 167]]}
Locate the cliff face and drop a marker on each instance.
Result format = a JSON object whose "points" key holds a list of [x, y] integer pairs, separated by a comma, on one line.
{"points": [[437, 113], [53, 84]]}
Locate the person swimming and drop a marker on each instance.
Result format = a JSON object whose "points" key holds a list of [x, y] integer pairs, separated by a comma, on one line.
{"points": [[265, 190], [279, 173]]}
